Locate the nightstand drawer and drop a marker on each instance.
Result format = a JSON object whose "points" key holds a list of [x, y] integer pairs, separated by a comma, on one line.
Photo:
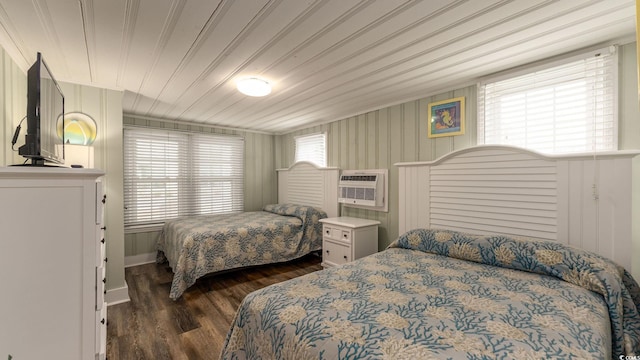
{"points": [[327, 232], [336, 233], [335, 253]]}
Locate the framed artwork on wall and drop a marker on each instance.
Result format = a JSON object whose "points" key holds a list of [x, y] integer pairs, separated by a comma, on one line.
{"points": [[446, 118]]}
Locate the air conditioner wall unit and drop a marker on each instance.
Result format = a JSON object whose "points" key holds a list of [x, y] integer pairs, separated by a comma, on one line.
{"points": [[365, 189]]}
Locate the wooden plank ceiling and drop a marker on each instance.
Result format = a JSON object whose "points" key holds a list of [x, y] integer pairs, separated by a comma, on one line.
{"points": [[327, 59]]}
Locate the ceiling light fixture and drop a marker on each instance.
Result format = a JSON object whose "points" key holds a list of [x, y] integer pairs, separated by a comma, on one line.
{"points": [[254, 86]]}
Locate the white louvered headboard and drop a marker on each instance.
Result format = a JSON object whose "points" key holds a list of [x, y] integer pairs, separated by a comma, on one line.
{"points": [[306, 184], [572, 199]]}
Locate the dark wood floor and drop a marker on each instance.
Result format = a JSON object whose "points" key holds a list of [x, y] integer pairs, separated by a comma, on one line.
{"points": [[154, 327]]}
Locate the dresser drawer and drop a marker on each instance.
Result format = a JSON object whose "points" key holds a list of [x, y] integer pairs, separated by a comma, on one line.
{"points": [[101, 198], [101, 246], [101, 333], [101, 280]]}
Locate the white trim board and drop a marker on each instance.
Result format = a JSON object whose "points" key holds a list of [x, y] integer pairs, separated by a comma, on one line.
{"points": [[578, 200], [140, 259], [117, 296]]}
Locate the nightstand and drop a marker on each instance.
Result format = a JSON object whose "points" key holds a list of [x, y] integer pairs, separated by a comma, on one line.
{"points": [[345, 239]]}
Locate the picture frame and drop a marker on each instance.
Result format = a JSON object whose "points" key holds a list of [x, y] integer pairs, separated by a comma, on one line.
{"points": [[446, 118]]}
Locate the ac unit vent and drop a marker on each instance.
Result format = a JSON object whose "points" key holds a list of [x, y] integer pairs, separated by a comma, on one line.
{"points": [[363, 188], [357, 193]]}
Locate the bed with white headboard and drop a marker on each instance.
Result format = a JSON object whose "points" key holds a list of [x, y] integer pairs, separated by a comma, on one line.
{"points": [[581, 200], [439, 292], [200, 245], [307, 184]]}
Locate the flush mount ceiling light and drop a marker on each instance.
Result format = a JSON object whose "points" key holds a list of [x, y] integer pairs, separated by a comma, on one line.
{"points": [[254, 86]]}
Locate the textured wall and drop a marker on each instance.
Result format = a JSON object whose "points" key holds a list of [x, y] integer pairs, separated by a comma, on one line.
{"points": [[13, 102], [629, 131], [105, 107], [381, 138]]}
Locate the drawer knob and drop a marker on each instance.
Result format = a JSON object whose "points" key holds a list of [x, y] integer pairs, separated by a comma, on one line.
{"points": [[103, 228], [345, 257], [104, 199], [106, 259], [102, 321], [104, 281], [327, 251], [102, 241]]}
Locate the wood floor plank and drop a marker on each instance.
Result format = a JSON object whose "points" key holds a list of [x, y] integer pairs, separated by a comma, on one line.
{"points": [[152, 326]]}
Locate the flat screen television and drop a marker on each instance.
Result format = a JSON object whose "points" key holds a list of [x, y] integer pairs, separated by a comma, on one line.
{"points": [[45, 107]]}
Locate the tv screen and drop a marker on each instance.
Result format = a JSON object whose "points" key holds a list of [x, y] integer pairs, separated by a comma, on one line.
{"points": [[45, 107]]}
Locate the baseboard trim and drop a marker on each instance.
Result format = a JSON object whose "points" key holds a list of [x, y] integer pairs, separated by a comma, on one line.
{"points": [[140, 259], [117, 296]]}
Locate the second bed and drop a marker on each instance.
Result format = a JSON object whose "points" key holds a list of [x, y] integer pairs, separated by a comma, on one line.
{"points": [[201, 245]]}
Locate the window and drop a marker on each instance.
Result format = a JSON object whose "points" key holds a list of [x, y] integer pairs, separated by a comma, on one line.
{"points": [[169, 174], [312, 148], [567, 107]]}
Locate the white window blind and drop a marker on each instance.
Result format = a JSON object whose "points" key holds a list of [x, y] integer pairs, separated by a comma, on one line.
{"points": [[565, 108], [312, 148], [169, 174]]}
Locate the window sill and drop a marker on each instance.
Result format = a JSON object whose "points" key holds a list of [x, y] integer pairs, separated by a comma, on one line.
{"points": [[135, 229]]}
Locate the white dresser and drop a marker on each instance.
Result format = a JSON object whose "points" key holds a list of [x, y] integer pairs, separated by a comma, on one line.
{"points": [[345, 239], [52, 264]]}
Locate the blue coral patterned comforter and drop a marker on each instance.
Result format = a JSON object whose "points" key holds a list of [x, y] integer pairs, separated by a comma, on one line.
{"points": [[447, 295], [200, 245]]}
